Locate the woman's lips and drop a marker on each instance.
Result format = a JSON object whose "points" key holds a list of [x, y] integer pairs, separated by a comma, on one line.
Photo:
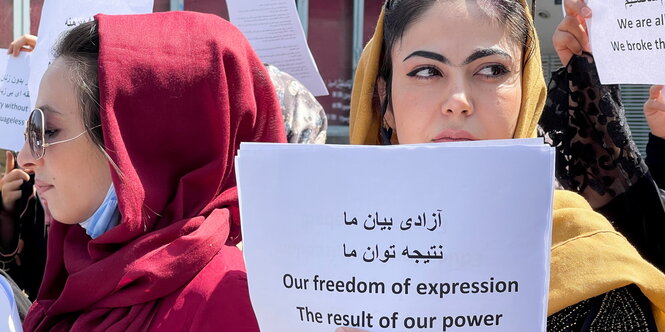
{"points": [[452, 135], [42, 187]]}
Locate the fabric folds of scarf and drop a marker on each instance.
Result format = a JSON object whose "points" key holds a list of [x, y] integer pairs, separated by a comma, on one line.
{"points": [[589, 257], [178, 91]]}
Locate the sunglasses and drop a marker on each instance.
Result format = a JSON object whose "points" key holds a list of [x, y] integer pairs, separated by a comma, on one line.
{"points": [[35, 134]]}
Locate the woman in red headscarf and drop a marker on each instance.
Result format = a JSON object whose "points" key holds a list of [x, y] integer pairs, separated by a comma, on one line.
{"points": [[132, 143]]}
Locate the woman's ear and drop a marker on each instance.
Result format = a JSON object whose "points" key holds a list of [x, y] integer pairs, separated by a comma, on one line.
{"points": [[389, 117]]}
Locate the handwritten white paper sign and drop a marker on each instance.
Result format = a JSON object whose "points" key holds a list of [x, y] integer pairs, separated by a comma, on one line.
{"points": [[14, 99], [274, 30], [59, 16], [436, 237], [628, 40]]}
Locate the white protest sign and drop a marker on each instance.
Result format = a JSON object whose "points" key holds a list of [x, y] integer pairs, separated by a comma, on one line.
{"points": [[628, 40], [9, 317], [14, 99], [59, 16], [273, 29], [255, 146], [441, 237]]}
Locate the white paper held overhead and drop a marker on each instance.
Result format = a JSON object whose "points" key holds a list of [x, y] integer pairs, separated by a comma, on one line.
{"points": [[273, 29], [628, 40]]}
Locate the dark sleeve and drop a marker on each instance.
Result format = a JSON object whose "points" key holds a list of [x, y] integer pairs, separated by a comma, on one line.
{"points": [[33, 258], [597, 158], [10, 244], [9, 230], [656, 159], [23, 242]]}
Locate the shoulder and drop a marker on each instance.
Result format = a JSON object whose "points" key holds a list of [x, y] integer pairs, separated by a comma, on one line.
{"points": [[217, 297]]}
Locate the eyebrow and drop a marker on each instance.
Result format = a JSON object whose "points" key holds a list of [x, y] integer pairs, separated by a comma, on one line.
{"points": [[49, 109], [428, 55], [477, 54], [485, 52]]}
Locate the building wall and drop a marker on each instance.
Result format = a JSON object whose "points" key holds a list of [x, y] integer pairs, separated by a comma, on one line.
{"points": [[6, 22], [330, 37]]}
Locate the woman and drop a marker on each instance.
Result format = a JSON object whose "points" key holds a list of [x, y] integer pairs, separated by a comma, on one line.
{"points": [[24, 223], [455, 70], [132, 145]]}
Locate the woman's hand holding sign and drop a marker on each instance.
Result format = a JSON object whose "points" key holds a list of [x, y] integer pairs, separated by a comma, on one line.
{"points": [[570, 36], [25, 43]]}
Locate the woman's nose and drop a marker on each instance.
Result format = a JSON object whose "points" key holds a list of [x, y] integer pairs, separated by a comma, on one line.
{"points": [[458, 102], [25, 158]]}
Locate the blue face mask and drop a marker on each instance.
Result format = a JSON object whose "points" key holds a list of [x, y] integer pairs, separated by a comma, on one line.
{"points": [[106, 216]]}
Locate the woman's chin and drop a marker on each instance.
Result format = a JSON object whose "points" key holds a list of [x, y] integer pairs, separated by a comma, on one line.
{"points": [[63, 218]]}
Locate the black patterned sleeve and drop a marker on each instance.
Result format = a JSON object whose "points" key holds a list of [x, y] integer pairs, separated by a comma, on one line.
{"points": [[584, 120], [597, 158]]}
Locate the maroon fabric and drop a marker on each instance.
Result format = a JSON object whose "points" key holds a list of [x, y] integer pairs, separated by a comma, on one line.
{"points": [[179, 91]]}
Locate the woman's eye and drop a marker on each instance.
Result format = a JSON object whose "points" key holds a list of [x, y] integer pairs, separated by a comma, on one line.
{"points": [[493, 71], [424, 73], [49, 133]]}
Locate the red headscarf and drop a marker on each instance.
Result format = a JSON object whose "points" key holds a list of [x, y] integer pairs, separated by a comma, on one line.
{"points": [[179, 91]]}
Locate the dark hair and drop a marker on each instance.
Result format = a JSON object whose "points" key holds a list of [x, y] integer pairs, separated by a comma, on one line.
{"points": [[80, 49], [399, 14]]}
